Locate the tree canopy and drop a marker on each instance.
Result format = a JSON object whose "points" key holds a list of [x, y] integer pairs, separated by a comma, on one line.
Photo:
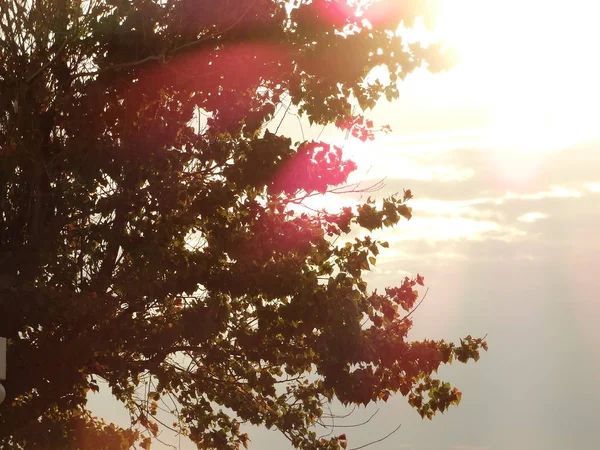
{"points": [[137, 247]]}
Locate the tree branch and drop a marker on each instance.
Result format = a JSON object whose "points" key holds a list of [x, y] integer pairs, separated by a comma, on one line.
{"points": [[163, 56], [378, 440], [48, 64], [416, 307]]}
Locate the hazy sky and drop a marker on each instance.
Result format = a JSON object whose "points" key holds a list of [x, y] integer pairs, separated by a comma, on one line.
{"points": [[503, 157]]}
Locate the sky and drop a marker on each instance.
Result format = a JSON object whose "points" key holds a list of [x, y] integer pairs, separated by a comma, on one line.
{"points": [[502, 155]]}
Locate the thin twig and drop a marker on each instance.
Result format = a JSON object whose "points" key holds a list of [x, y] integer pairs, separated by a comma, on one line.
{"points": [[378, 440], [416, 307], [343, 416], [48, 64], [359, 424], [332, 426], [284, 114]]}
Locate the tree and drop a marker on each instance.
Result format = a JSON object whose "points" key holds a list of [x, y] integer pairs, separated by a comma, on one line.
{"points": [[135, 247]]}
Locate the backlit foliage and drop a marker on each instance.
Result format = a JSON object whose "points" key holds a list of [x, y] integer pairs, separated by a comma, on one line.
{"points": [[138, 248]]}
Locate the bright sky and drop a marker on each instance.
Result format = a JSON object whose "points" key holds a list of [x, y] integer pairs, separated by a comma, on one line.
{"points": [[503, 157], [531, 62]]}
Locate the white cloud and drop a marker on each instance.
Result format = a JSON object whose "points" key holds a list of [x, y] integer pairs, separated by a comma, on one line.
{"points": [[594, 187], [453, 228], [531, 217], [553, 192], [390, 163], [441, 207]]}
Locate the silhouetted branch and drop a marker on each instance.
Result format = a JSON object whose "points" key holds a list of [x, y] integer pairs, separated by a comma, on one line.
{"points": [[163, 56], [48, 63], [378, 440], [416, 307], [358, 424], [342, 416]]}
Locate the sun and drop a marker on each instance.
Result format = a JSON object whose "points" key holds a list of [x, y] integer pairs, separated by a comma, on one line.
{"points": [[535, 59]]}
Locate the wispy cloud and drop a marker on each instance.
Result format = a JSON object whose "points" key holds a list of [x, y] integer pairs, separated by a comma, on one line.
{"points": [[443, 228], [552, 192], [531, 217], [594, 187]]}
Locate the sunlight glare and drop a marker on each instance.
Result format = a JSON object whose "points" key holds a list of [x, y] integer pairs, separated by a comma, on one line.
{"points": [[535, 58]]}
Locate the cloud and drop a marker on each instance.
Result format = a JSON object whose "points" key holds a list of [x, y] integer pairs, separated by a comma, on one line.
{"points": [[531, 217], [477, 219], [515, 260], [481, 172], [443, 228], [378, 162], [594, 187], [552, 192]]}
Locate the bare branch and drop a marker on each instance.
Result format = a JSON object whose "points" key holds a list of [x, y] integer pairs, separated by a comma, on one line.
{"points": [[378, 440], [358, 424], [343, 416], [416, 307], [48, 63]]}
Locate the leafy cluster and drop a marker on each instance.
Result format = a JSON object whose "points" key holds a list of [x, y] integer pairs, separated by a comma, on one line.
{"points": [[143, 250]]}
